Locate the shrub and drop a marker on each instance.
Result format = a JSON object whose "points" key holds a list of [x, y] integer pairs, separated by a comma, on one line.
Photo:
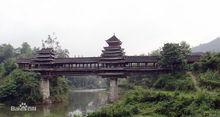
{"points": [[20, 86], [209, 61], [149, 102], [209, 80], [58, 89], [178, 81]]}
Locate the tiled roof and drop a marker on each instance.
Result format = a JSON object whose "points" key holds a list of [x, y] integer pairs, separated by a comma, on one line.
{"points": [[141, 58], [46, 50], [97, 59], [113, 38], [77, 60]]}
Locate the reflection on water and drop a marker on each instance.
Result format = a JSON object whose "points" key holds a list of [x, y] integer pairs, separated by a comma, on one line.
{"points": [[80, 102]]}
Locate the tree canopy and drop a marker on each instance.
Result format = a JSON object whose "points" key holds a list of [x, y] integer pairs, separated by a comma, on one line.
{"points": [[6, 51], [174, 55], [20, 86]]}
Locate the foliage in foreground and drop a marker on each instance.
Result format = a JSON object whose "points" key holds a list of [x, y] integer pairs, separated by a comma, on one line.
{"points": [[59, 89], [173, 82], [20, 86], [148, 102], [179, 81], [209, 61], [209, 80]]}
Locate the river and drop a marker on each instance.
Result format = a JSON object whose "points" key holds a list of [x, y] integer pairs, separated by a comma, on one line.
{"points": [[79, 102]]}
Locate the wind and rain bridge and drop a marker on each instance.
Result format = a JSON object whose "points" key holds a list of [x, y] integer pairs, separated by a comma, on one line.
{"points": [[112, 64]]}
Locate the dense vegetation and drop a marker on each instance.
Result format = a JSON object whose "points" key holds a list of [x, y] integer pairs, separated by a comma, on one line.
{"points": [[151, 102], [59, 89], [209, 80], [173, 56], [177, 94], [209, 61], [180, 81], [18, 86]]}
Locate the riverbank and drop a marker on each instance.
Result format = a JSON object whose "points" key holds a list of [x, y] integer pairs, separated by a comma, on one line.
{"points": [[151, 102], [169, 96]]}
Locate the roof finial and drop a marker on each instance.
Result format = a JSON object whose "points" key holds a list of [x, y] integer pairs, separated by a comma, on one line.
{"points": [[114, 34]]}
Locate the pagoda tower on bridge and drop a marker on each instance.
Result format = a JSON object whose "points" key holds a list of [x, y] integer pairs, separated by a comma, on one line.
{"points": [[112, 62], [113, 59]]}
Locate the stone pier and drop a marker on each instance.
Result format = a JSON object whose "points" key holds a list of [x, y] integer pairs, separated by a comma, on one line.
{"points": [[113, 89], [45, 90]]}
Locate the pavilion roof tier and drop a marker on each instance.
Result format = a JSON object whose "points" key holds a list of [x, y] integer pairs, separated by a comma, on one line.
{"points": [[111, 48], [46, 51], [43, 59], [114, 41], [23, 61], [44, 56], [111, 58], [112, 55], [111, 51], [114, 49]]}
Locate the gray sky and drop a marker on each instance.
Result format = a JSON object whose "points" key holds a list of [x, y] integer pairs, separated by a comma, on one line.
{"points": [[82, 26]]}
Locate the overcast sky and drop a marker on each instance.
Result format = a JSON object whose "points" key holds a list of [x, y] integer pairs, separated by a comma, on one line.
{"points": [[82, 26]]}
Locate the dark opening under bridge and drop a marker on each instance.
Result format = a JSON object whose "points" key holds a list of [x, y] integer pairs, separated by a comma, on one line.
{"points": [[113, 64]]}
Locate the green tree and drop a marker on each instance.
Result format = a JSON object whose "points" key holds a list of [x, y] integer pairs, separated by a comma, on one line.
{"points": [[2, 70], [59, 89], [25, 50], [20, 86], [185, 48], [9, 65], [6, 51], [174, 56]]}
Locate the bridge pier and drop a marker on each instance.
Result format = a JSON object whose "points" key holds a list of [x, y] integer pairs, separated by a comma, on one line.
{"points": [[45, 90], [113, 89]]}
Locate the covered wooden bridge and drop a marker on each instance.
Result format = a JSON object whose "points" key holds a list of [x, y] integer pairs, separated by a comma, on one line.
{"points": [[113, 64]]}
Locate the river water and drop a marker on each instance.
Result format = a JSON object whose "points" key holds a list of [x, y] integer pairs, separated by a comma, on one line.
{"points": [[80, 102]]}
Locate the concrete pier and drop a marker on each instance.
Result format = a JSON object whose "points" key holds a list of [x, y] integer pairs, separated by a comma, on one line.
{"points": [[45, 90], [113, 89]]}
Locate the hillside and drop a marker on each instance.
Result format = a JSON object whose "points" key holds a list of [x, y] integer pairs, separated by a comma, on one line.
{"points": [[213, 46]]}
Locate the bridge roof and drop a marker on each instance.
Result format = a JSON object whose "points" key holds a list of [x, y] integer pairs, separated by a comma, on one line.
{"points": [[141, 58], [77, 60], [23, 60], [128, 59]]}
